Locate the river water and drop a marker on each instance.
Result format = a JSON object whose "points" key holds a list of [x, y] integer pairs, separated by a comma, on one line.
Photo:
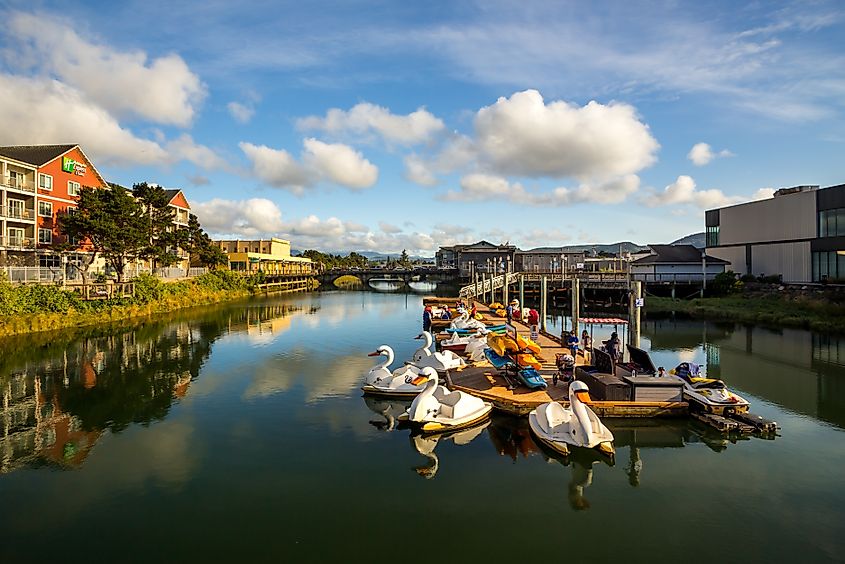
{"points": [[238, 433]]}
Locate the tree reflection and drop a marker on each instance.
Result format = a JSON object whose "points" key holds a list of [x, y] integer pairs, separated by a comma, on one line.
{"points": [[64, 389]]}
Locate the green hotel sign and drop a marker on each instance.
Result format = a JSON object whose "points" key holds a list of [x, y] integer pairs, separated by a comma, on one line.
{"points": [[73, 167]]}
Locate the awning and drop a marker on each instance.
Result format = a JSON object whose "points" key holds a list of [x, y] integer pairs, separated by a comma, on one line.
{"points": [[602, 320]]}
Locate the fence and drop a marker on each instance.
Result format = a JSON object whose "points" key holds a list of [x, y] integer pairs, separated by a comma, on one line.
{"points": [[57, 275]]}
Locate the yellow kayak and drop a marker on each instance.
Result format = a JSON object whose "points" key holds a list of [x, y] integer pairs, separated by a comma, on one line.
{"points": [[526, 343], [525, 360], [496, 305]]}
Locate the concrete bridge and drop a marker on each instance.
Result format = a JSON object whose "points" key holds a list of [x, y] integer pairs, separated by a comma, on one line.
{"points": [[370, 275]]}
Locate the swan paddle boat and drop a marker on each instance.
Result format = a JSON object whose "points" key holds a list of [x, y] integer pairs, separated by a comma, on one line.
{"points": [[708, 393], [464, 321], [437, 410], [559, 427], [381, 381], [442, 361]]}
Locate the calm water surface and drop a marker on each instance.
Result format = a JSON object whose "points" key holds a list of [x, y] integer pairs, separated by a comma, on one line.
{"points": [[238, 433]]}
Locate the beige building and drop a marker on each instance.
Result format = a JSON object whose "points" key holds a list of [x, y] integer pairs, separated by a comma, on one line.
{"points": [[795, 235], [271, 256]]}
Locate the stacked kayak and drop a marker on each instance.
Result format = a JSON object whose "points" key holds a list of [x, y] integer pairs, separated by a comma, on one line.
{"points": [[505, 355]]}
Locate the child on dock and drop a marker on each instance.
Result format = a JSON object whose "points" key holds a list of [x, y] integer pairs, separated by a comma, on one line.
{"points": [[572, 342]]}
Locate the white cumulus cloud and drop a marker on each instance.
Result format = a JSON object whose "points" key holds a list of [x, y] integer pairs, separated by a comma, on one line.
{"points": [[366, 119], [44, 111], [340, 164], [702, 154], [524, 135], [331, 162], [485, 187], [127, 83], [684, 191]]}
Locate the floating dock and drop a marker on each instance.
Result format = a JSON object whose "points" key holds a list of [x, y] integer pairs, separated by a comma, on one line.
{"points": [[485, 382]]}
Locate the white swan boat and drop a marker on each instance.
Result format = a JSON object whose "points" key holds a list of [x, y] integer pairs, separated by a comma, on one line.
{"points": [[558, 427], [381, 381], [436, 409], [464, 321], [442, 361]]}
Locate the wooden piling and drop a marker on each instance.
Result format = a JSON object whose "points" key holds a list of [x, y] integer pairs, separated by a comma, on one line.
{"points": [[634, 313], [543, 295], [576, 303], [521, 292]]}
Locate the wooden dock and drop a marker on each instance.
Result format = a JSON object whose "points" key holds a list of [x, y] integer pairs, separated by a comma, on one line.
{"points": [[484, 381]]}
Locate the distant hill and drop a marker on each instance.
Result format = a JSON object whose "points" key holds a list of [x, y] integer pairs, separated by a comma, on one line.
{"points": [[626, 246], [697, 240]]}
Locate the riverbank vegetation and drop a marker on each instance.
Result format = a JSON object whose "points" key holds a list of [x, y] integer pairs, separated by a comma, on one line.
{"points": [[33, 308], [778, 309]]}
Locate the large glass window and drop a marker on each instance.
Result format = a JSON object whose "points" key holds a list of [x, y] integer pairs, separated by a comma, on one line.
{"points": [[712, 236], [829, 266], [832, 223], [45, 209]]}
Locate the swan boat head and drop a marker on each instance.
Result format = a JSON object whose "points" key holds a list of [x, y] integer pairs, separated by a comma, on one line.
{"points": [[380, 371], [593, 431], [425, 403]]}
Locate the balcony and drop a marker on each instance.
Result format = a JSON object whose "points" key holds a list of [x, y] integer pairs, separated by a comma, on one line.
{"points": [[18, 213], [17, 243], [20, 186]]}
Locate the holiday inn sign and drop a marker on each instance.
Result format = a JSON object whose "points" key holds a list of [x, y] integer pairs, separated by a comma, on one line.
{"points": [[73, 167]]}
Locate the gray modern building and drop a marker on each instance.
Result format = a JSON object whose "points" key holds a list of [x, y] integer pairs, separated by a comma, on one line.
{"points": [[796, 235], [481, 257]]}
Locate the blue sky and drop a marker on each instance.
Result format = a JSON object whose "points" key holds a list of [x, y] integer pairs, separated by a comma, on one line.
{"points": [[391, 125]]}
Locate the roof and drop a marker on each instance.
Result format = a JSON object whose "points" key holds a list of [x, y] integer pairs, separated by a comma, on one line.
{"points": [[676, 254], [550, 251], [36, 155]]}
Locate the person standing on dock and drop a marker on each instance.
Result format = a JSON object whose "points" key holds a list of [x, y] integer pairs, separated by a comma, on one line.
{"points": [[572, 343], [586, 343], [509, 311], [534, 324], [427, 319]]}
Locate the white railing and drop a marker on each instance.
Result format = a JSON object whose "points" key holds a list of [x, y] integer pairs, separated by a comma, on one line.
{"points": [[37, 274], [673, 278], [17, 242], [15, 185], [496, 282], [27, 214]]}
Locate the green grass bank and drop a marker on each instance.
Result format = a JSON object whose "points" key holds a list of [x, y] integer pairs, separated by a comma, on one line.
{"points": [[31, 308], [779, 309]]}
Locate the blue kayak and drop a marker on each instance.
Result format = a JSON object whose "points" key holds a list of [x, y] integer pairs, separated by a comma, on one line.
{"points": [[532, 379], [499, 362]]}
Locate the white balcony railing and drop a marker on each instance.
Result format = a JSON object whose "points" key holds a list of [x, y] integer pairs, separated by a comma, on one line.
{"points": [[24, 214], [18, 185], [17, 242]]}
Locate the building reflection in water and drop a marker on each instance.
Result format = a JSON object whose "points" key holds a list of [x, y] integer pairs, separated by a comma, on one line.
{"points": [[797, 369], [62, 393]]}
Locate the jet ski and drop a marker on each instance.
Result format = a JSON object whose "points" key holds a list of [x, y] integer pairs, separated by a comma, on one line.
{"points": [[709, 394]]}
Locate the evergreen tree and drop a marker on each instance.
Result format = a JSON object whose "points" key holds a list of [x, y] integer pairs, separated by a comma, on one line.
{"points": [[161, 233], [113, 223]]}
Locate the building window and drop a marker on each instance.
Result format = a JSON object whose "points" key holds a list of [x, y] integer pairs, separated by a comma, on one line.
{"points": [[832, 223], [45, 182], [49, 261], [72, 188], [829, 266], [712, 236], [45, 236], [45, 209]]}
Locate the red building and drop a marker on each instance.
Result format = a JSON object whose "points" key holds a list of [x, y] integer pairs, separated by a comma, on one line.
{"points": [[38, 182]]}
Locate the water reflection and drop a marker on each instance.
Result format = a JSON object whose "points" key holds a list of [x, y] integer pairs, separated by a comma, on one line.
{"points": [[796, 369], [425, 445], [387, 409], [62, 392]]}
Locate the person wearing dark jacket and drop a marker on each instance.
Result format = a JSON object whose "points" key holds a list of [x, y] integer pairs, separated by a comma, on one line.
{"points": [[427, 319]]}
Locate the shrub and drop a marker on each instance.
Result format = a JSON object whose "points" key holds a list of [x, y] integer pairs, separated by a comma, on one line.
{"points": [[148, 288], [725, 283]]}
